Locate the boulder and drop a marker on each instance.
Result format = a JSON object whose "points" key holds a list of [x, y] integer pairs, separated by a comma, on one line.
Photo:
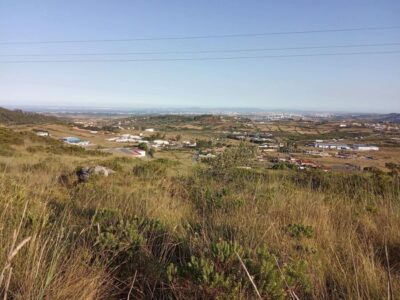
{"points": [[100, 170], [84, 173]]}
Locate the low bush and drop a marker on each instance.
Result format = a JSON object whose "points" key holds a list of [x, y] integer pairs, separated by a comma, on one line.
{"points": [[299, 230]]}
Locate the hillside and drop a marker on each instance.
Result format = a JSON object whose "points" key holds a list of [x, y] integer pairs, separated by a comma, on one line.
{"points": [[170, 228], [18, 117], [394, 118]]}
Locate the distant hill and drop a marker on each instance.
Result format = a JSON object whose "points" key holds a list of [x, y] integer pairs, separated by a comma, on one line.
{"points": [[20, 117], [394, 118]]}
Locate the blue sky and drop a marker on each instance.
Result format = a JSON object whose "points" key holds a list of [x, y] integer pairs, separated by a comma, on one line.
{"points": [[363, 83]]}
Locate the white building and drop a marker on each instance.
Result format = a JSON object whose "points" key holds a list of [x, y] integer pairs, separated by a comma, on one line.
{"points": [[126, 138], [149, 129], [269, 146], [42, 133], [189, 144], [362, 147], [332, 146], [159, 143]]}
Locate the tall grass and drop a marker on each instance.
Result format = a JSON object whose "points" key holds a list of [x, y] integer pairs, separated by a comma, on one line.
{"points": [[216, 232]]}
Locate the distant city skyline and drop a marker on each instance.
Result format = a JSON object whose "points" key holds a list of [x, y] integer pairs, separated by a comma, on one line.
{"points": [[338, 56]]}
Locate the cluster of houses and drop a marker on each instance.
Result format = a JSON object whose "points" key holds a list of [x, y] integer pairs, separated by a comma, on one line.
{"points": [[340, 146], [258, 138], [263, 139], [85, 123], [300, 164], [379, 127], [306, 164], [157, 143], [128, 138]]}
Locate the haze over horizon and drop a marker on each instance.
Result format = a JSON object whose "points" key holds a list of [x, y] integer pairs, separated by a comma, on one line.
{"points": [[327, 56], [172, 109]]}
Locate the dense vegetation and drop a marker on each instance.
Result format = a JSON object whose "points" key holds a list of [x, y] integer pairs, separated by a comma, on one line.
{"points": [[155, 229]]}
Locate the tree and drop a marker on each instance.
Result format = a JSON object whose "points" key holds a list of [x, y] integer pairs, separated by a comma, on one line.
{"points": [[143, 146], [240, 156], [151, 152]]}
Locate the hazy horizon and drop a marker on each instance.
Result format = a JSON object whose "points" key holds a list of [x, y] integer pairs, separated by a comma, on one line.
{"points": [[179, 109]]}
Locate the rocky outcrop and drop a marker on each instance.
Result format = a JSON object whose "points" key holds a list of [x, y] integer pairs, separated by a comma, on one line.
{"points": [[84, 173]]}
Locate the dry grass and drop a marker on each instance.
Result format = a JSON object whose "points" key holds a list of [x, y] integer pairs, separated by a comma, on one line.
{"points": [[61, 242]]}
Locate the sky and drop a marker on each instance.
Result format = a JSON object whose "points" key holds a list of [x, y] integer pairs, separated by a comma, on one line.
{"points": [[351, 83]]}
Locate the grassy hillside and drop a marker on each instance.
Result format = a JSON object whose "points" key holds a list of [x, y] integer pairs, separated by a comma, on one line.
{"points": [[163, 229], [12, 117]]}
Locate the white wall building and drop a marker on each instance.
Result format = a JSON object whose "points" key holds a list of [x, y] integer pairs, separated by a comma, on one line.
{"points": [[42, 133], [160, 143], [332, 146], [126, 138], [362, 147]]}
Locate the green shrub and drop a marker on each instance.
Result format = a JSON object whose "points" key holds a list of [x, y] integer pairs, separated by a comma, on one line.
{"points": [[296, 277], [284, 166], [122, 239], [226, 252], [268, 277], [218, 271], [143, 146], [231, 158], [201, 270], [299, 230]]}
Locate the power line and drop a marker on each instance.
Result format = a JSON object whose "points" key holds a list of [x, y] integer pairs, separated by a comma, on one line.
{"points": [[200, 58], [193, 37], [203, 51]]}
